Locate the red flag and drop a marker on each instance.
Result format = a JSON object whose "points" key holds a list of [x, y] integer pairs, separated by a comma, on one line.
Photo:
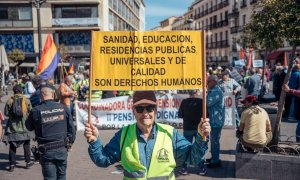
{"points": [[250, 57], [71, 70], [285, 59], [242, 53]]}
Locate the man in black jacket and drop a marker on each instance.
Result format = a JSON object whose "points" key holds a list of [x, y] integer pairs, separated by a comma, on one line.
{"points": [[191, 111], [55, 133]]}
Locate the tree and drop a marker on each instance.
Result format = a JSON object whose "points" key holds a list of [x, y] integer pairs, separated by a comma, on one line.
{"points": [[289, 21], [263, 31], [16, 56], [274, 22]]}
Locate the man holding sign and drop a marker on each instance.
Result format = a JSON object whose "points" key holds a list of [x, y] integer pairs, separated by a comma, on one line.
{"points": [[147, 149]]}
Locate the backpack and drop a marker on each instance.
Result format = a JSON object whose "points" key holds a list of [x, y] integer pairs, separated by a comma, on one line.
{"points": [[19, 107]]}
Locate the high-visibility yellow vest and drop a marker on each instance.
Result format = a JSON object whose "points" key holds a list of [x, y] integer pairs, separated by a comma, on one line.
{"points": [[96, 95], [162, 161]]}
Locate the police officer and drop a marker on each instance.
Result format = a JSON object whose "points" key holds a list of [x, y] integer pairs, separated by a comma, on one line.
{"points": [[55, 133]]}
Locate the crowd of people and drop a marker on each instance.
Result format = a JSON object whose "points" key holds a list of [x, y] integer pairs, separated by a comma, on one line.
{"points": [[39, 109], [34, 113]]}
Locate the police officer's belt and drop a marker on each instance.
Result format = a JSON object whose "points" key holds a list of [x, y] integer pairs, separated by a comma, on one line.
{"points": [[51, 145]]}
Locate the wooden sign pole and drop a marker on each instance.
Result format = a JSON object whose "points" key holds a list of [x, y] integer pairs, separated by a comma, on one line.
{"points": [[90, 81], [204, 78]]}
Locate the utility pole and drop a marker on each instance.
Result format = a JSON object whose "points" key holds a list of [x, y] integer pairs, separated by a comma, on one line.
{"points": [[38, 4]]}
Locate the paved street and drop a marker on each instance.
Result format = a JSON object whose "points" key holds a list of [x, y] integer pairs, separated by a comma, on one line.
{"points": [[81, 167]]}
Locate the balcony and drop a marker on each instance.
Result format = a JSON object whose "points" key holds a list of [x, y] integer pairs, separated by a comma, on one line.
{"points": [[241, 28], [218, 44], [224, 59], [224, 22], [208, 45], [234, 29], [235, 12], [243, 4], [234, 49], [76, 21], [225, 3], [224, 43], [15, 23]]}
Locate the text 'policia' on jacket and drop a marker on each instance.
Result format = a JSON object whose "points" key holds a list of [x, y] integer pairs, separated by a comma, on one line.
{"points": [[52, 122], [162, 160]]}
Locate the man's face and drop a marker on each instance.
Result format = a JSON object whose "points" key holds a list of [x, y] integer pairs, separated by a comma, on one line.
{"points": [[69, 82], [211, 84], [225, 77], [144, 114]]}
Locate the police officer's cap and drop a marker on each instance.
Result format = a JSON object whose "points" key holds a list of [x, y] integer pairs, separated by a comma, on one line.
{"points": [[47, 85]]}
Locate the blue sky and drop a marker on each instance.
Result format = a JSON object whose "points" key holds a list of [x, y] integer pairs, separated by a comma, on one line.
{"points": [[158, 10]]}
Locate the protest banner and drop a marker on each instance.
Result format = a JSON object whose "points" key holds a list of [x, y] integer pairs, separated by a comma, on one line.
{"points": [[147, 60], [166, 60], [114, 113], [239, 64], [236, 75], [258, 63], [229, 100]]}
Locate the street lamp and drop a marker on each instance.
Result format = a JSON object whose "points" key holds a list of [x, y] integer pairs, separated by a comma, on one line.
{"points": [[37, 4]]}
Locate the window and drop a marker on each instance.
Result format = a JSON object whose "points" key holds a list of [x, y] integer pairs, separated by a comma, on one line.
{"points": [[75, 12], [115, 4], [3, 13], [121, 4], [16, 13], [244, 19], [110, 2], [68, 12], [111, 21], [221, 36]]}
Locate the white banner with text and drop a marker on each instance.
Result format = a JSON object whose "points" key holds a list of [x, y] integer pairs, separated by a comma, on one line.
{"points": [[229, 100], [114, 113]]}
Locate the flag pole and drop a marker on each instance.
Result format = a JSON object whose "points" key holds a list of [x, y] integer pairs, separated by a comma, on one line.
{"points": [[203, 78], [90, 80], [64, 68]]}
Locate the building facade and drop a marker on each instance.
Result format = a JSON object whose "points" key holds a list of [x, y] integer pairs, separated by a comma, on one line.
{"points": [[165, 25], [70, 22], [212, 16], [223, 21]]}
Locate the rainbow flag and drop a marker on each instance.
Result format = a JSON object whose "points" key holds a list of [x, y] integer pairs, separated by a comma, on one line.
{"points": [[71, 70], [49, 60]]}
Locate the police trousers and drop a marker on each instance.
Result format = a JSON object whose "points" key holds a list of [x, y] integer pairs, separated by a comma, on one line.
{"points": [[54, 164]]}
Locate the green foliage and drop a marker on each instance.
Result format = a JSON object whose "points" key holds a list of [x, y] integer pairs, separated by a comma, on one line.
{"points": [[289, 20], [16, 56], [273, 22], [263, 30]]}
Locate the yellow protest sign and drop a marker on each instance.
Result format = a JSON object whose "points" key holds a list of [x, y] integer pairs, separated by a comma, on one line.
{"points": [[146, 60]]}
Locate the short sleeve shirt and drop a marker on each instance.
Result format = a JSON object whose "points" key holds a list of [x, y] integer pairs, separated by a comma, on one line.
{"points": [[255, 119]]}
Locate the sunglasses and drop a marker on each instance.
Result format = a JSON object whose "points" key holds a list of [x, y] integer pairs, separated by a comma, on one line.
{"points": [[140, 109]]}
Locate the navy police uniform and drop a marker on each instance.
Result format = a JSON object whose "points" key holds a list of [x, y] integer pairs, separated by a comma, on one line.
{"points": [[54, 129]]}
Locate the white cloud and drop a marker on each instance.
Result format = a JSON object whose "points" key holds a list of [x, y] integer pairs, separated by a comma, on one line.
{"points": [[158, 11]]}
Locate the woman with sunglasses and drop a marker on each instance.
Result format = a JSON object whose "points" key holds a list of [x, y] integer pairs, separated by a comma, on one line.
{"points": [[147, 149]]}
